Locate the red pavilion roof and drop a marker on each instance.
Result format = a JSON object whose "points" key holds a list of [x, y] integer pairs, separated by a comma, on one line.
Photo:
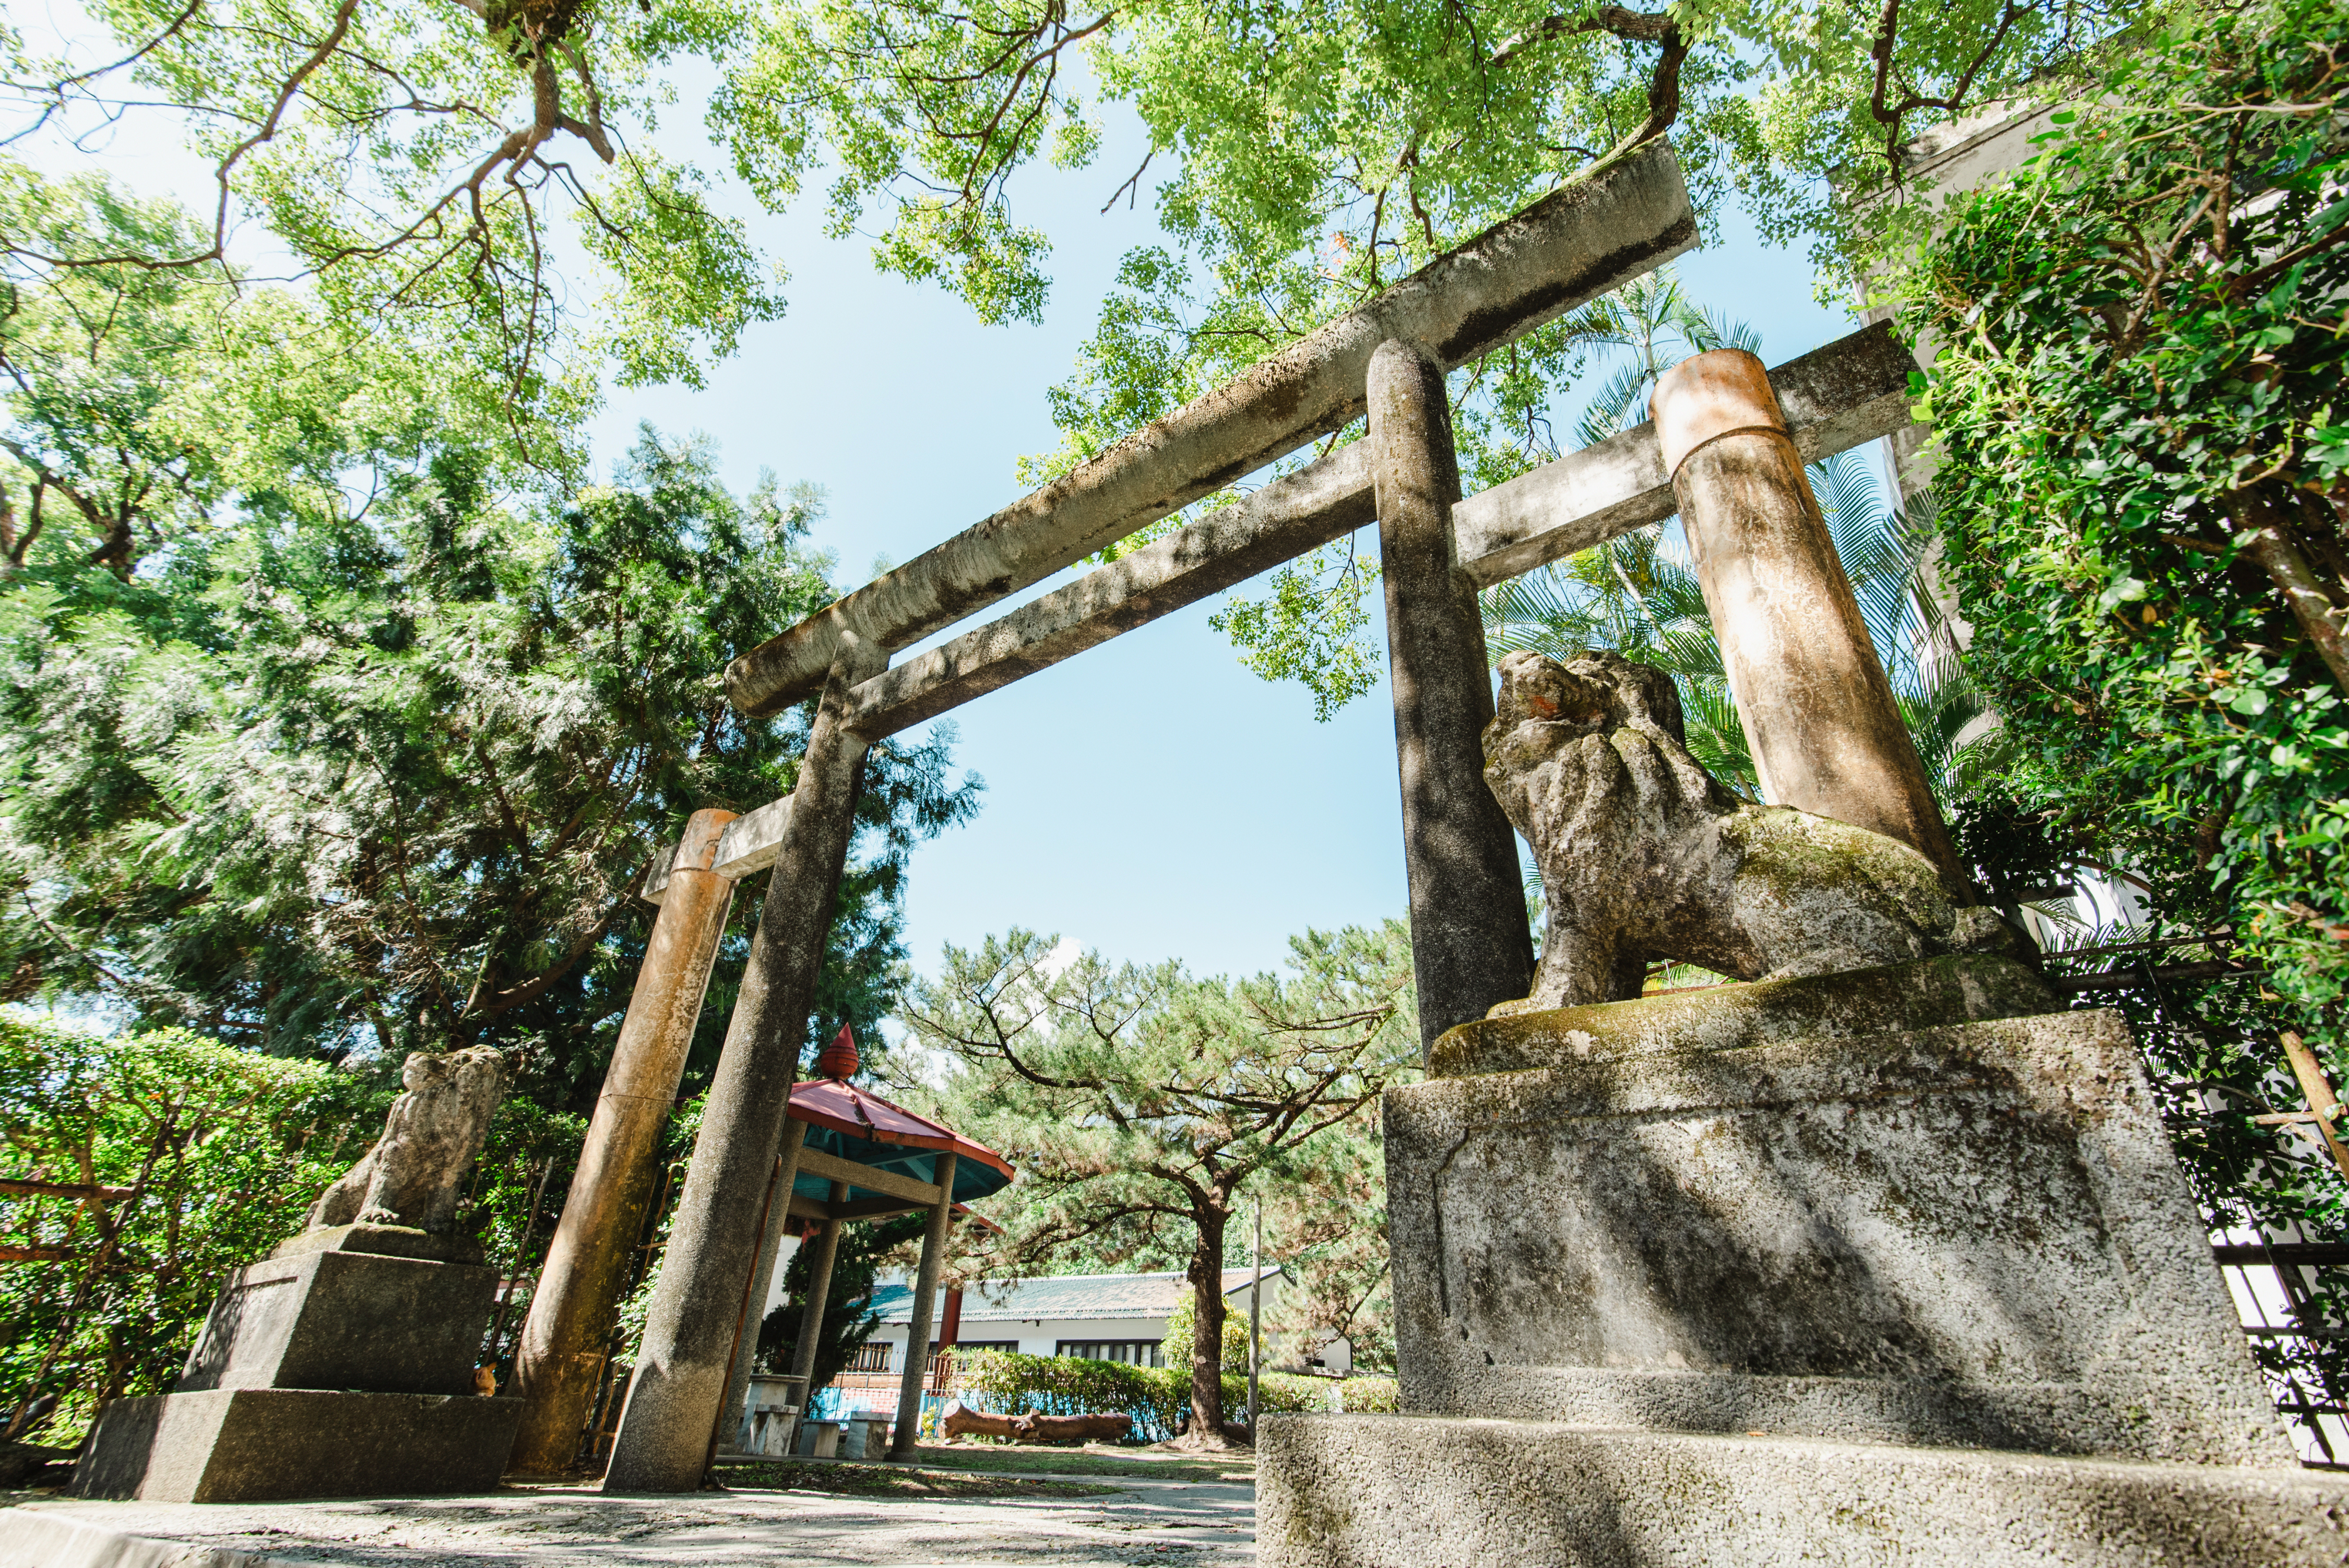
{"points": [[858, 1113]]}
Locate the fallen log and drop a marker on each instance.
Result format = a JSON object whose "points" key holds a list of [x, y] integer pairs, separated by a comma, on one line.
{"points": [[959, 1420]]}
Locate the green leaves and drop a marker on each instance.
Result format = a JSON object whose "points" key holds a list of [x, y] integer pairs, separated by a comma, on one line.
{"points": [[217, 1154], [333, 785], [2139, 355]]}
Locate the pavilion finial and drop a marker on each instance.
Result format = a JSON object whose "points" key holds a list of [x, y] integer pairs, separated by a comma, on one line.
{"points": [[838, 1059]]}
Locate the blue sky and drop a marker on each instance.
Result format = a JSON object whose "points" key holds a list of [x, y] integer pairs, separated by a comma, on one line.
{"points": [[1152, 797]]}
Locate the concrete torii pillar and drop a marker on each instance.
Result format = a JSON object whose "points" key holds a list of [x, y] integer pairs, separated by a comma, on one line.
{"points": [[775, 1219], [1471, 944], [1819, 715], [926, 1301], [674, 1400], [563, 1340]]}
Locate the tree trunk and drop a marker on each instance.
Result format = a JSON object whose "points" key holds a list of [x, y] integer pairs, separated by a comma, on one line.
{"points": [[1207, 1275], [2266, 539]]}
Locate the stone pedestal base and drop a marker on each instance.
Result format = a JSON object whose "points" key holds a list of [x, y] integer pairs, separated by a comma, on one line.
{"points": [[1890, 1266], [1971, 1235], [337, 1316], [1416, 1491], [342, 1366], [244, 1445]]}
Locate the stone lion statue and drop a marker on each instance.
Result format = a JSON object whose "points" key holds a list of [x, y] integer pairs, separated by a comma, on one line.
{"points": [[1644, 856], [416, 1171]]}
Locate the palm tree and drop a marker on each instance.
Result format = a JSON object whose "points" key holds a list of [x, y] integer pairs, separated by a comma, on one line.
{"points": [[1644, 323], [1638, 594]]}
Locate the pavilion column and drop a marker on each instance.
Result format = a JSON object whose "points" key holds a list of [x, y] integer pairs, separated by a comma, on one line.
{"points": [[763, 1277], [677, 1396], [1819, 715], [819, 1297], [1471, 945], [564, 1339], [926, 1304]]}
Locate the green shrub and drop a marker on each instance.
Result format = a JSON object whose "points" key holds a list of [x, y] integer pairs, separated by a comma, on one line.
{"points": [[1176, 1346], [223, 1151], [1368, 1396], [2140, 389], [1157, 1398], [1279, 1391]]}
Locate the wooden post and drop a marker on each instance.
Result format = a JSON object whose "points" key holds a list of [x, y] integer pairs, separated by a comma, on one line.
{"points": [[1256, 1317], [1471, 944], [925, 1303], [950, 1325], [572, 1315], [2322, 1101], [677, 1396], [827, 1253], [1825, 733]]}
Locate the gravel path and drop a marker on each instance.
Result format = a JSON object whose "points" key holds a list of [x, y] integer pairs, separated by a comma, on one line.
{"points": [[1197, 1526]]}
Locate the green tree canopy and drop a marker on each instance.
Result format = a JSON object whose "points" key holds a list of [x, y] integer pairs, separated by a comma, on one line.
{"points": [[439, 170], [385, 783]]}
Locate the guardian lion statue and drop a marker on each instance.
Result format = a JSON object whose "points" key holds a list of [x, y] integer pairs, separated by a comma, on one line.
{"points": [[415, 1172], [1644, 856]]}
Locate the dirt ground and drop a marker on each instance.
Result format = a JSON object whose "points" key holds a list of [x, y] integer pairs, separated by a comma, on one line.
{"points": [[1065, 1512]]}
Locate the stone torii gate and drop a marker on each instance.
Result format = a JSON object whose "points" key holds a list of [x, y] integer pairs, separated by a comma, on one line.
{"points": [[1729, 458]]}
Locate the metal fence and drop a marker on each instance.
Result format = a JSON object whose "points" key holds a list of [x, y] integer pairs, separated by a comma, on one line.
{"points": [[2245, 1125]]}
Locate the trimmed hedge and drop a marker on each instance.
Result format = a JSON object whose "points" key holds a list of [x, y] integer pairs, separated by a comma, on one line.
{"points": [[1157, 1398], [1368, 1396]]}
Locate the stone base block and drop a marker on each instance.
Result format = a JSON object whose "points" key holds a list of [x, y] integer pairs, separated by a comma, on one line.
{"points": [[335, 1318], [1973, 1235], [1414, 1491], [240, 1445]]}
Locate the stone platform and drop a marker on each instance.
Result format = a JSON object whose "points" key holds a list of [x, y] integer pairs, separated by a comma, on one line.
{"points": [[1404, 1491], [833, 1515], [340, 1367], [359, 1306], [234, 1445], [1784, 1266]]}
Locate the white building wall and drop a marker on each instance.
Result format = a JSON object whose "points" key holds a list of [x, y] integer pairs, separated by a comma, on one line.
{"points": [[1035, 1337]]}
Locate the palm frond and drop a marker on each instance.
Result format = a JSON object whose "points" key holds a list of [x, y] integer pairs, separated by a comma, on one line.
{"points": [[1617, 405], [1724, 332]]}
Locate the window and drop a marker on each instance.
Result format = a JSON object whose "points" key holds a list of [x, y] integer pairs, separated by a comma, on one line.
{"points": [[1011, 1345], [871, 1357], [1133, 1352]]}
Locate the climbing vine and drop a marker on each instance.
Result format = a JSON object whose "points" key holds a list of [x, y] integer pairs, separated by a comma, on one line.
{"points": [[2138, 383]]}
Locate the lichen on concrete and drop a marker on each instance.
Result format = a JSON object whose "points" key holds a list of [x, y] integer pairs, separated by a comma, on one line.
{"points": [[1957, 989]]}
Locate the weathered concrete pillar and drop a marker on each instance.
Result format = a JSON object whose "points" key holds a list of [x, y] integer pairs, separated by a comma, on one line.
{"points": [[820, 1266], [563, 1341], [763, 1274], [1818, 712], [925, 1306], [1471, 946], [676, 1395]]}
